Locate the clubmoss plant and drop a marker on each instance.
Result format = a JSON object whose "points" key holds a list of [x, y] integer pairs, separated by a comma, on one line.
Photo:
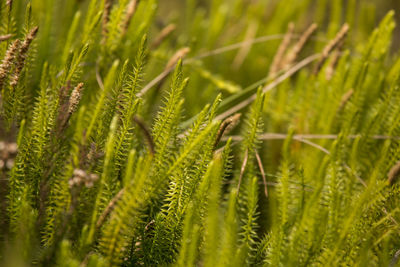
{"points": [[199, 133]]}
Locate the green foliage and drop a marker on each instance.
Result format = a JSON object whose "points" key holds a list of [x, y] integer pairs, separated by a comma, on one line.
{"points": [[117, 150]]}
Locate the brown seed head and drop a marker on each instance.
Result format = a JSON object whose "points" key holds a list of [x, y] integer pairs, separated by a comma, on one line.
{"points": [[277, 62], [334, 43], [295, 51], [162, 35], [334, 61], [75, 97], [130, 11], [345, 98], [8, 60], [9, 3], [23, 53], [106, 16]]}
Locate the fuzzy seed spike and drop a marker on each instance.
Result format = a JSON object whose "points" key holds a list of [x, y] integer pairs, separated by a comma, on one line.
{"points": [[165, 32], [130, 11], [23, 54], [335, 59], [106, 16], [277, 62], [345, 98], [8, 60], [75, 97], [334, 43], [295, 51]]}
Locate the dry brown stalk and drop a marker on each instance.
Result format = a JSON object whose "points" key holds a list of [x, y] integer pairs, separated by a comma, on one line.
{"points": [[295, 51], [345, 98], [235, 121], [234, 46], [393, 173], [242, 169], [5, 37], [110, 207], [226, 126], [260, 166], [98, 78], [22, 55], [395, 259], [130, 11], [165, 32], [159, 79], [334, 61], [279, 56], [308, 142], [334, 43], [142, 125], [8, 61], [181, 53]]}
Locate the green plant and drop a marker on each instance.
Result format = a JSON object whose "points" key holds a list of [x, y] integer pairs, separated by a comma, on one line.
{"points": [[122, 140]]}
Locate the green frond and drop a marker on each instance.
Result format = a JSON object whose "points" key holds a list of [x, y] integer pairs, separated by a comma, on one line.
{"points": [[118, 233], [96, 111], [230, 237], [248, 235], [106, 185], [254, 123]]}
